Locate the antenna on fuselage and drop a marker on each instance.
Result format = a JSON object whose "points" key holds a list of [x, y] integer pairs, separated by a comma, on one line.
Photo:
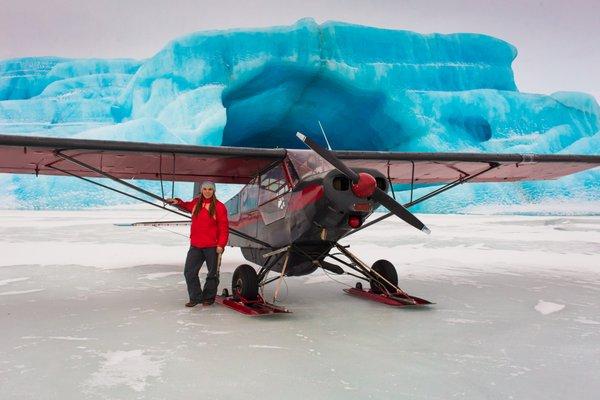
{"points": [[324, 135]]}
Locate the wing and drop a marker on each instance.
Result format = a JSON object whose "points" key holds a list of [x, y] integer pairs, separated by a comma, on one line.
{"points": [[132, 160], [433, 168]]}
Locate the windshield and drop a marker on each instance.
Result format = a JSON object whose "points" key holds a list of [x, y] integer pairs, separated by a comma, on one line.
{"points": [[307, 162]]}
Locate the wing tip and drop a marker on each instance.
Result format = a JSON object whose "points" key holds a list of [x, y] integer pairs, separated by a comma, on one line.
{"points": [[426, 230], [301, 136]]}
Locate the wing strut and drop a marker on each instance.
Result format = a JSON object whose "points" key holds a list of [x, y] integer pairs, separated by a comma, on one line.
{"points": [[427, 196], [138, 189], [98, 171], [118, 191]]}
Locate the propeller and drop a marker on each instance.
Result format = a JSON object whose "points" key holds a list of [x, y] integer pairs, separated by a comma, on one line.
{"points": [[364, 185]]}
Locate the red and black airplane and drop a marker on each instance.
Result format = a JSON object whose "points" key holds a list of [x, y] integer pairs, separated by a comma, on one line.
{"points": [[296, 205]]}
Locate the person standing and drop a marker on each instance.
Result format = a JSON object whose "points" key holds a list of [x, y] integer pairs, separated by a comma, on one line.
{"points": [[208, 236]]}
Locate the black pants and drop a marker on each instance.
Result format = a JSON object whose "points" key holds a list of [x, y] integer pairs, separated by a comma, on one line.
{"points": [[193, 262]]}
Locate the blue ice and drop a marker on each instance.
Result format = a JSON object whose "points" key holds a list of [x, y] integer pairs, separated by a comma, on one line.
{"points": [[371, 88]]}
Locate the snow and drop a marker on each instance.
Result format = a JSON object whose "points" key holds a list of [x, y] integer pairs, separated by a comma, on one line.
{"points": [[13, 292], [132, 368], [59, 338], [158, 275], [7, 281], [587, 321], [99, 314], [547, 307]]}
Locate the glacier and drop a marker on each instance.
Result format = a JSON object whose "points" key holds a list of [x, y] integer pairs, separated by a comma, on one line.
{"points": [[370, 88]]}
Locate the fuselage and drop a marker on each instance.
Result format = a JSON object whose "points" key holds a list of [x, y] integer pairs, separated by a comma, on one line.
{"points": [[302, 201]]}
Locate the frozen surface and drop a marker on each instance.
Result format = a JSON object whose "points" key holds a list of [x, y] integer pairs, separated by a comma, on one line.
{"points": [[372, 89], [94, 311]]}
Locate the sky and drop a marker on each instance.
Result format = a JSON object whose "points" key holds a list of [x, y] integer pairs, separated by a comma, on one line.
{"points": [[558, 41]]}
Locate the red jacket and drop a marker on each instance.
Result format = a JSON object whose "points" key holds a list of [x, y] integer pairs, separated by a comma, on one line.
{"points": [[207, 231]]}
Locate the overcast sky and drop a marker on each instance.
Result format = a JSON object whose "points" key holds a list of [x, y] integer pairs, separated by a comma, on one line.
{"points": [[558, 41]]}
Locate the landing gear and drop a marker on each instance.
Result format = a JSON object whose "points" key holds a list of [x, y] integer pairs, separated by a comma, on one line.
{"points": [[245, 298], [383, 279]]}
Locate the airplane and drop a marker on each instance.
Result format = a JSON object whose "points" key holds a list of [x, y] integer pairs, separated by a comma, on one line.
{"points": [[295, 205]]}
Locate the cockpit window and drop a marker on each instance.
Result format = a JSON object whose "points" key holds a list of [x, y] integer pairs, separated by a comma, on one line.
{"points": [[273, 183], [249, 196]]}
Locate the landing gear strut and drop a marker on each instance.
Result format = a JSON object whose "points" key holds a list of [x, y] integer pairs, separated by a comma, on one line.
{"points": [[383, 279], [245, 298]]}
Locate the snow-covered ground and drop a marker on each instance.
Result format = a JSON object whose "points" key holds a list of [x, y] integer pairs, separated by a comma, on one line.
{"points": [[90, 310]]}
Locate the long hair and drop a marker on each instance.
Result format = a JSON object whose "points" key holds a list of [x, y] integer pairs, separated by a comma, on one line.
{"points": [[212, 208]]}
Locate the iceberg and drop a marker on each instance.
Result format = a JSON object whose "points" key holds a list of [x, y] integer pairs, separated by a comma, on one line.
{"points": [[370, 88]]}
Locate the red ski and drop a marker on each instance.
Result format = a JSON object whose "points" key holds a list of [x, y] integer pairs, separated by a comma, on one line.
{"points": [[398, 299], [251, 308]]}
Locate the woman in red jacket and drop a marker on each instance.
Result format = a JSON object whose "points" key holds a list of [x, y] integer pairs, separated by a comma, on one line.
{"points": [[208, 237]]}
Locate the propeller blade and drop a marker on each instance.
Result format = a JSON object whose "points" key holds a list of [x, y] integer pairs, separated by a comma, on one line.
{"points": [[397, 209], [382, 197], [329, 157]]}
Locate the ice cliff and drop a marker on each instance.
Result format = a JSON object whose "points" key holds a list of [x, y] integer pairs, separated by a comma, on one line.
{"points": [[371, 88]]}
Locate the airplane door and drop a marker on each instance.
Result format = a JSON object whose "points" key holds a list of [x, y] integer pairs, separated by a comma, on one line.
{"points": [[274, 195]]}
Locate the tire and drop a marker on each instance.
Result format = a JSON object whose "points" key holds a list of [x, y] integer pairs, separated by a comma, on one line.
{"points": [[385, 269], [244, 283]]}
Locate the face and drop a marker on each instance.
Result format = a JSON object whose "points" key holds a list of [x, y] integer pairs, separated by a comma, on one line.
{"points": [[207, 192]]}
